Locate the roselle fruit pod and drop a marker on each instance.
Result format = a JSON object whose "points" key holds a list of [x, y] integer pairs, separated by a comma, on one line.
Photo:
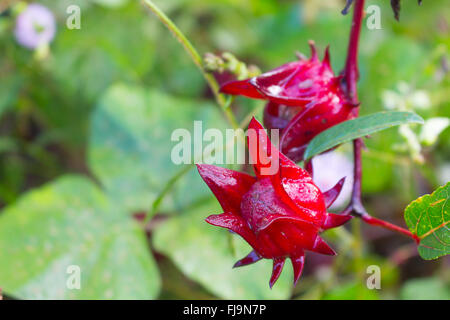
{"points": [[280, 213], [304, 99], [293, 84]]}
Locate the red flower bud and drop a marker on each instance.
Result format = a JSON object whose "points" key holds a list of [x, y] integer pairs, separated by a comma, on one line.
{"points": [[280, 214], [305, 98]]}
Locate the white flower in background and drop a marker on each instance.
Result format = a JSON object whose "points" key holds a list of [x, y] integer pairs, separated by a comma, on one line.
{"points": [[406, 98], [432, 128], [444, 173], [413, 144], [329, 168], [35, 26], [392, 100], [419, 99]]}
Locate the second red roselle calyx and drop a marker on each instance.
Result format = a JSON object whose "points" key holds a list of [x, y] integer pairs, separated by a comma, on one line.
{"points": [[304, 99], [280, 213]]}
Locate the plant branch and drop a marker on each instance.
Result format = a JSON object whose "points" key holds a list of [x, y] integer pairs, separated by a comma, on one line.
{"points": [[350, 79], [350, 82], [167, 188], [196, 58], [367, 218], [351, 72]]}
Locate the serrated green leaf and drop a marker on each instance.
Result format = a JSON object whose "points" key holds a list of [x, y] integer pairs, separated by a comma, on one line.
{"points": [[357, 128], [203, 253], [130, 146], [70, 222], [428, 217]]}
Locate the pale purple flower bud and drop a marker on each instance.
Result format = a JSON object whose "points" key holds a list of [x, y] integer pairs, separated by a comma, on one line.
{"points": [[329, 168], [35, 26]]}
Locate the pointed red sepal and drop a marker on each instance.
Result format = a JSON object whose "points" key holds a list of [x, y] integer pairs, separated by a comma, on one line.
{"points": [[278, 264], [326, 58], [226, 220], [320, 246], [312, 45], [227, 185], [244, 88], [298, 261], [331, 195], [335, 220], [234, 223], [273, 84], [252, 257], [265, 155]]}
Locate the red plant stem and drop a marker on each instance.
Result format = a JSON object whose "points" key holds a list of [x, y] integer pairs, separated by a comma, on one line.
{"points": [[367, 218], [351, 72], [357, 174], [351, 76]]}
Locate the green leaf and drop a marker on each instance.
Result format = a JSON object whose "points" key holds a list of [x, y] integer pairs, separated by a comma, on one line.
{"points": [[9, 90], [130, 147], [101, 56], [204, 254], [356, 128], [70, 222], [428, 217], [425, 289]]}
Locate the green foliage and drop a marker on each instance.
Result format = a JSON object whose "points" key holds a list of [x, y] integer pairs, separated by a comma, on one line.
{"points": [[357, 128], [105, 102], [9, 90], [71, 222], [428, 217], [352, 291]]}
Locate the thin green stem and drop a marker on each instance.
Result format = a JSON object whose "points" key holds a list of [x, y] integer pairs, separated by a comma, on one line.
{"points": [[167, 188], [196, 58]]}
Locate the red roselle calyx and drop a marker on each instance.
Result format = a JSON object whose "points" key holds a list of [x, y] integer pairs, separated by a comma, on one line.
{"points": [[305, 98], [280, 212]]}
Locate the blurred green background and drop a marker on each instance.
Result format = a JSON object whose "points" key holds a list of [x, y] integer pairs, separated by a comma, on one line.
{"points": [[85, 150]]}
